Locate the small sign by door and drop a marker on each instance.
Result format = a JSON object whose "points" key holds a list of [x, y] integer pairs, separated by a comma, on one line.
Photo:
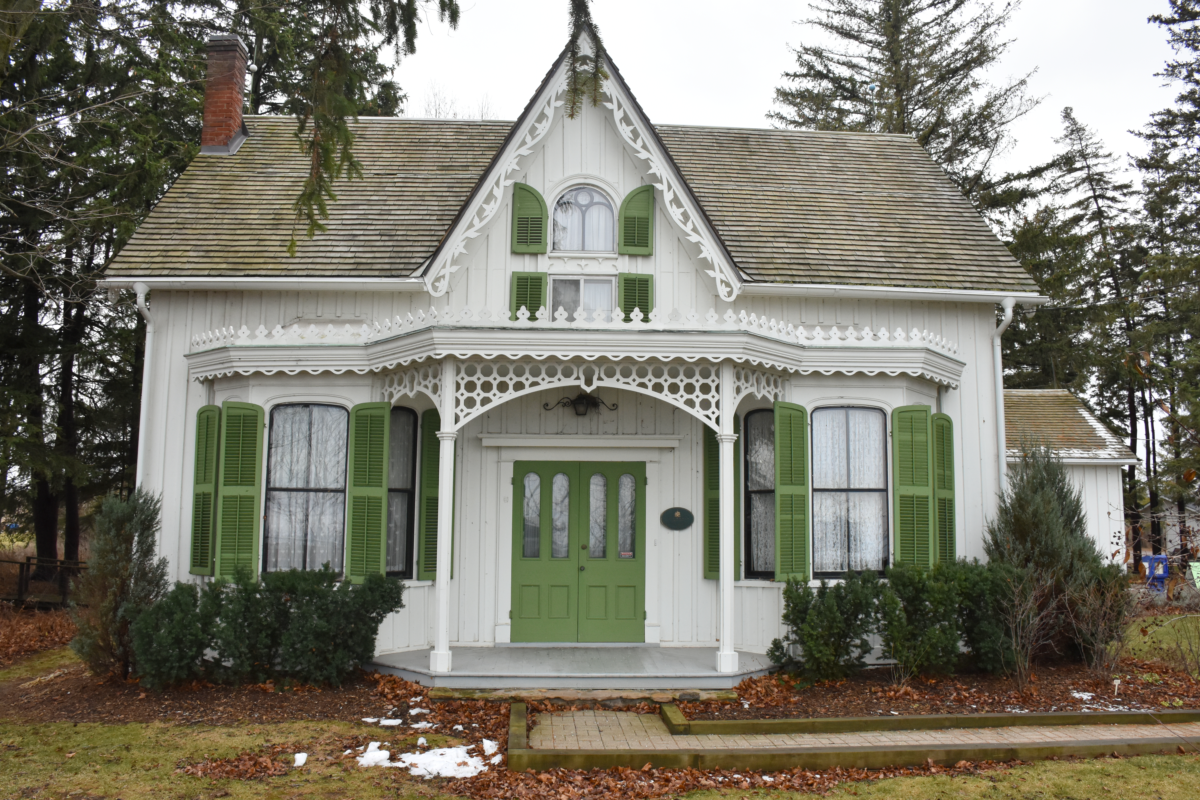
{"points": [[677, 519]]}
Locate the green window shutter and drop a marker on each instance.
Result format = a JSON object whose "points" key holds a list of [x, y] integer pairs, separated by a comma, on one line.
{"points": [[204, 489], [943, 487], [529, 220], [791, 492], [427, 504], [366, 495], [712, 504], [635, 223], [912, 450], [636, 291], [529, 290], [239, 488]]}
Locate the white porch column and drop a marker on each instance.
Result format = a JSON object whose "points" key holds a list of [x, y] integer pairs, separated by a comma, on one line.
{"points": [[439, 659], [727, 659]]}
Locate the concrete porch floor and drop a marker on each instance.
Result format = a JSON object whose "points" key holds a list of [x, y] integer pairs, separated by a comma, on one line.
{"points": [[575, 668]]}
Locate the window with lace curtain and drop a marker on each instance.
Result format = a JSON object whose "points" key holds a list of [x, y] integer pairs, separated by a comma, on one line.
{"points": [[584, 222], [849, 494]]}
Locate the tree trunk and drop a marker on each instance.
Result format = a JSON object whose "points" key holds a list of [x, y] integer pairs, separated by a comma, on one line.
{"points": [[44, 503], [74, 320], [1131, 504]]}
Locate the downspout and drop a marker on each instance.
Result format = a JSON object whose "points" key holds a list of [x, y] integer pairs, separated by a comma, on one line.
{"points": [[1007, 304], [147, 354]]}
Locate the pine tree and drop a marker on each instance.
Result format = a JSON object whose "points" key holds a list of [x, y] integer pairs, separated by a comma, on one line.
{"points": [[914, 67]]}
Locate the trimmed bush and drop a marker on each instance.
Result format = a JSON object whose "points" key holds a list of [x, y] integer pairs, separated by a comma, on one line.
{"points": [[918, 615], [307, 626], [122, 580], [827, 630], [983, 589]]}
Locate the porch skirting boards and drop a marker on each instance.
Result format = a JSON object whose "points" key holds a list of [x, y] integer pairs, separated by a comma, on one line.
{"points": [[575, 668]]}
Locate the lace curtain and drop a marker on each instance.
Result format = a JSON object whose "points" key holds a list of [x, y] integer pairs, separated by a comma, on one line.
{"points": [[849, 489]]}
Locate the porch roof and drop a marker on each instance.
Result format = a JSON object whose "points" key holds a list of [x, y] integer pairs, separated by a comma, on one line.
{"points": [[1060, 419]]}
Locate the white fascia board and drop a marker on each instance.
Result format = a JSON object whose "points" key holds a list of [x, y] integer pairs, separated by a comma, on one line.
{"points": [[643, 345], [1087, 461], [889, 293], [206, 283]]}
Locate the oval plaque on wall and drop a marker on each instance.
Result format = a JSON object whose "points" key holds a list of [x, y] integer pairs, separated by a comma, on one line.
{"points": [[677, 519]]}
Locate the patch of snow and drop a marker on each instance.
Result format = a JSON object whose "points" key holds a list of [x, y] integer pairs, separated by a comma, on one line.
{"points": [[371, 720], [374, 757], [458, 728], [391, 723], [445, 762], [768, 779], [423, 725], [1082, 695], [490, 747], [496, 759], [300, 759], [422, 743], [418, 711], [894, 713], [415, 700]]}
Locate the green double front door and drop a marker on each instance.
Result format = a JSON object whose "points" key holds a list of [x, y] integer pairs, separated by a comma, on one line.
{"points": [[579, 540]]}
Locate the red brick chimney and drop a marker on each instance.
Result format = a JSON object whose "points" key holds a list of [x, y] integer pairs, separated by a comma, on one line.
{"points": [[224, 131]]}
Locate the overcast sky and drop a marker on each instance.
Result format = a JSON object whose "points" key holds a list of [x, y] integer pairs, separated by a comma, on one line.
{"points": [[697, 62]]}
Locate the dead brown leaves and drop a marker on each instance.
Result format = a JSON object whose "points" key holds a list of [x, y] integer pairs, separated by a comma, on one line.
{"points": [[475, 720], [243, 767], [647, 782], [23, 632]]}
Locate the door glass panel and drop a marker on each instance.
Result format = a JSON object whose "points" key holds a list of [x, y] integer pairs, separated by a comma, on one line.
{"points": [[560, 516], [532, 543], [598, 513], [626, 515], [762, 531]]}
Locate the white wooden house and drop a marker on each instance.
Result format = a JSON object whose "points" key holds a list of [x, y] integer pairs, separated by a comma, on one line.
{"points": [[583, 380]]}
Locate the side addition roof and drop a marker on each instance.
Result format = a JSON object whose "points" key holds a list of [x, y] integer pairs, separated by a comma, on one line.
{"points": [[1059, 419]]}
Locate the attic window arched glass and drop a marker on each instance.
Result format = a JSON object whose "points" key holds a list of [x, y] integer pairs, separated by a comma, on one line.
{"points": [[584, 222]]}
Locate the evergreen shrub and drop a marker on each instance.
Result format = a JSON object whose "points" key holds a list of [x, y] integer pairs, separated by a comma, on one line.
{"points": [[827, 629], [983, 589], [122, 580], [919, 620], [306, 626]]}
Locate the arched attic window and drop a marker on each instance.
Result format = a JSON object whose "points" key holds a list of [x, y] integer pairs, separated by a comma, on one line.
{"points": [[584, 221]]}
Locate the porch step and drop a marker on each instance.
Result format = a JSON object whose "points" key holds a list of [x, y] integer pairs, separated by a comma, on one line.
{"points": [[653, 670], [607, 698]]}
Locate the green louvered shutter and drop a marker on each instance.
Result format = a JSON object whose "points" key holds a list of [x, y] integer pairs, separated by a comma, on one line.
{"points": [[791, 492], [366, 495], [635, 223], [712, 504], [636, 291], [204, 489], [943, 487], [530, 220], [427, 504], [528, 290], [912, 447], [239, 488]]}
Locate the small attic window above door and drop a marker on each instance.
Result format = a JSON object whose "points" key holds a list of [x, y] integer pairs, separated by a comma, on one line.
{"points": [[584, 222]]}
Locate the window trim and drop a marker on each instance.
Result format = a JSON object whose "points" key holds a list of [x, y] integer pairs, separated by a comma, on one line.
{"points": [[886, 490], [411, 534], [747, 527], [550, 207], [267, 488]]}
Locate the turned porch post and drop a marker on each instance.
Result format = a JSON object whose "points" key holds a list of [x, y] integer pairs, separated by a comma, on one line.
{"points": [[727, 660], [439, 659]]}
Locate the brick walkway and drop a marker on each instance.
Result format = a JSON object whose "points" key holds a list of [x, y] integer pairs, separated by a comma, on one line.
{"points": [[623, 730]]}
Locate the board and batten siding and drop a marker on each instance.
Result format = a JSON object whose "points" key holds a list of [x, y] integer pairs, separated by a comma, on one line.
{"points": [[1101, 489]]}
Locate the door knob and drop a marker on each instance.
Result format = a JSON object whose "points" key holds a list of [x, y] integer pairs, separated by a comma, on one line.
{"points": [[583, 547], [581, 569]]}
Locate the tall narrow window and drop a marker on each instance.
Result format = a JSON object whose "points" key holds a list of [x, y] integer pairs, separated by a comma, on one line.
{"points": [[849, 515], [760, 494], [306, 487], [626, 516], [560, 516], [584, 222], [402, 459], [531, 540]]}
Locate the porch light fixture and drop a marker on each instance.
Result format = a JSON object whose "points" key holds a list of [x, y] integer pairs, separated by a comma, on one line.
{"points": [[582, 403]]}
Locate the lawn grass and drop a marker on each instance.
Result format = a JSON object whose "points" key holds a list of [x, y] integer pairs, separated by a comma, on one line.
{"points": [[1152, 777], [137, 761], [38, 664], [1162, 634]]}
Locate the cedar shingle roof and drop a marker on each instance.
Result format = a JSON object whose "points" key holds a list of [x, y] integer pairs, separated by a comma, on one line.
{"points": [[790, 206], [1058, 418], [843, 208], [232, 215]]}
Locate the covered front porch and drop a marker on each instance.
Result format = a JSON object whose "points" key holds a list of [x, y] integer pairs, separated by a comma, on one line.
{"points": [[579, 667]]}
